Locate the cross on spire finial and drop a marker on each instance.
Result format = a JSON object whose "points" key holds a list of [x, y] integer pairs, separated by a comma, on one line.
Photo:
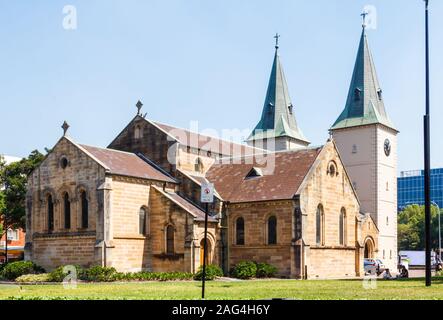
{"points": [[65, 128], [139, 106], [276, 37], [364, 14]]}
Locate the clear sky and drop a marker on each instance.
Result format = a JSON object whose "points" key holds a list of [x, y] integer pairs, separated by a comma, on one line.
{"points": [[207, 61]]}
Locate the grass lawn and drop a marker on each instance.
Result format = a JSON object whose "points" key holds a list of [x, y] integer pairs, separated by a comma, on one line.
{"points": [[255, 289]]}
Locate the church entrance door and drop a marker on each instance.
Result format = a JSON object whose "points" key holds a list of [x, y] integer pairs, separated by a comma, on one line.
{"points": [[208, 254]]}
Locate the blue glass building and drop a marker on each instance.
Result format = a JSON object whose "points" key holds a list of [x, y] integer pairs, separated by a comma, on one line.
{"points": [[410, 187]]}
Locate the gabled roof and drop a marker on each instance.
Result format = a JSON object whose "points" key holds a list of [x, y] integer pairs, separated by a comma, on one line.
{"points": [[279, 181], [277, 118], [365, 103], [195, 211], [206, 143], [126, 164]]}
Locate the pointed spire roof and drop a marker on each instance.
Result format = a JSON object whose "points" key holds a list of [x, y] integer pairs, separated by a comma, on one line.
{"points": [[277, 118], [364, 104]]}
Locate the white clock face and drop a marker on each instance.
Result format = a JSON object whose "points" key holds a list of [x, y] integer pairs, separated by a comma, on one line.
{"points": [[387, 147]]}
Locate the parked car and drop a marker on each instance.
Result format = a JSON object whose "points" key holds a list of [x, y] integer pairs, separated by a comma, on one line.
{"points": [[370, 266], [380, 266]]}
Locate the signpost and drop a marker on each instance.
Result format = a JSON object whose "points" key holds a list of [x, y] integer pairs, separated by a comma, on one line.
{"points": [[206, 197]]}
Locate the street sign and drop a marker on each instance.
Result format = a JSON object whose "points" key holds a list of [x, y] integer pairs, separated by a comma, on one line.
{"points": [[207, 193]]}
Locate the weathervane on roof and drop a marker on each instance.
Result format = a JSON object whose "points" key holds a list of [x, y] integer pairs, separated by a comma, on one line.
{"points": [[65, 127], [364, 14], [276, 37], [139, 106]]}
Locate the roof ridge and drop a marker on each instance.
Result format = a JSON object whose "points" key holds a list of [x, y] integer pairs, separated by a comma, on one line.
{"points": [[268, 152], [205, 135], [108, 149]]}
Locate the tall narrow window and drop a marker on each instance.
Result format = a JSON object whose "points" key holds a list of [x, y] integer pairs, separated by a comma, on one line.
{"points": [[50, 213], [170, 240], [142, 221], [319, 226], [67, 211], [342, 227], [137, 132], [240, 231], [85, 209], [272, 230]]}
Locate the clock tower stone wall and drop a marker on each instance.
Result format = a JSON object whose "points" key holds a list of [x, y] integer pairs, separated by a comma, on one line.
{"points": [[374, 176]]}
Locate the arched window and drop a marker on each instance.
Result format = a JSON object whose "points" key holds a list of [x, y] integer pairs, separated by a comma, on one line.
{"points": [[272, 230], [342, 227], [67, 210], [50, 213], [85, 210], [142, 214], [319, 226], [198, 166], [170, 239], [240, 232]]}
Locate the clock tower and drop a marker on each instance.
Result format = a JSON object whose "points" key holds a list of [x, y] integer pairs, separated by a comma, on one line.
{"points": [[367, 142]]}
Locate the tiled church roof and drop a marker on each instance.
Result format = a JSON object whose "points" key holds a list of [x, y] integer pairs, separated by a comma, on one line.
{"points": [[126, 164], [195, 211], [207, 143], [275, 182]]}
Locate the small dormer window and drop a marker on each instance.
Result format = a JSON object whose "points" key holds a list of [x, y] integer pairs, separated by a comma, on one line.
{"points": [[380, 94], [354, 149], [254, 173], [357, 94], [290, 108]]}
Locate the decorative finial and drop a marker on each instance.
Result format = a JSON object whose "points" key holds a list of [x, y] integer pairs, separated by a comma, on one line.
{"points": [[139, 106], [65, 128], [276, 37], [364, 14]]}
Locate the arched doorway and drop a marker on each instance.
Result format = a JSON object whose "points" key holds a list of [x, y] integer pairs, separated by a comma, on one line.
{"points": [[208, 254], [369, 249]]}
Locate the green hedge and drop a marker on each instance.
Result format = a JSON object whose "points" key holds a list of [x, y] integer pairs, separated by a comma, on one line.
{"points": [[244, 270], [33, 278], [109, 274], [265, 270], [16, 269], [59, 274], [212, 272], [250, 269]]}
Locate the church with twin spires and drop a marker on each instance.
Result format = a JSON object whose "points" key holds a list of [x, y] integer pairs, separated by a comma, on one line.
{"points": [[313, 212]]}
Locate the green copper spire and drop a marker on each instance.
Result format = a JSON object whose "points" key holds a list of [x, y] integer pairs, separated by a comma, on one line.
{"points": [[364, 104], [277, 118]]}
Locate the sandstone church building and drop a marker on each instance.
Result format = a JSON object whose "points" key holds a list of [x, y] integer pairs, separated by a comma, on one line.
{"points": [[313, 212]]}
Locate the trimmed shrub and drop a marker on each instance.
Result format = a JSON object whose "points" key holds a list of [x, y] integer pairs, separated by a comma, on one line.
{"points": [[265, 270], [244, 270], [16, 269], [34, 278], [99, 274], [152, 276], [212, 272], [58, 275]]}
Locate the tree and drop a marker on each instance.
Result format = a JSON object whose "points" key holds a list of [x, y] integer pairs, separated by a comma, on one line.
{"points": [[411, 228], [13, 179]]}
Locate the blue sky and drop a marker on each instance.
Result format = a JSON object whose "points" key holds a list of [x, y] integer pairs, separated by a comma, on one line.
{"points": [[207, 61]]}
